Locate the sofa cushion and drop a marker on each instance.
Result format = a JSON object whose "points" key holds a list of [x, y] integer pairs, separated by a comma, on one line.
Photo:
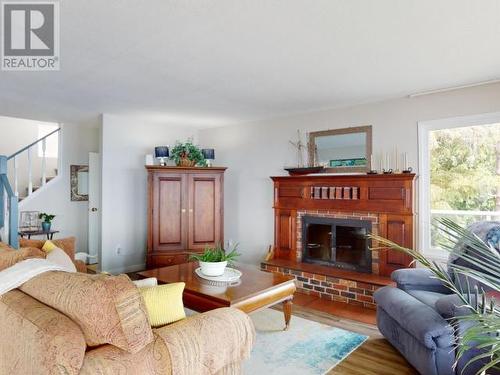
{"points": [[59, 257], [164, 303], [48, 246], [451, 306], [108, 309], [9, 257], [424, 323], [67, 244], [429, 298], [144, 283]]}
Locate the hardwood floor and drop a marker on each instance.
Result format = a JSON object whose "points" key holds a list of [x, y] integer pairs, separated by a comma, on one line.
{"points": [[375, 357]]}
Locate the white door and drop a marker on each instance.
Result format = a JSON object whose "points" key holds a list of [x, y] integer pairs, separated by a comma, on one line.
{"points": [[94, 239]]}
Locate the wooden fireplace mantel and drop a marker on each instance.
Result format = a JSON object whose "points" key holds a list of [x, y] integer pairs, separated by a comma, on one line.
{"points": [[389, 197]]}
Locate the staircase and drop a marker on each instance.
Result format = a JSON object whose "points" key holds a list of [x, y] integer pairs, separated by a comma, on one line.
{"points": [[9, 188]]}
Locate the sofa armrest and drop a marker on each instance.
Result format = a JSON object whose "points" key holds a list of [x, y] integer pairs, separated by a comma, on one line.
{"points": [[421, 321], [36, 339], [418, 279], [451, 306], [208, 342]]}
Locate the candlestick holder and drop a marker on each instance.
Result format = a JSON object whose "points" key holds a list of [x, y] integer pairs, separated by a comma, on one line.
{"points": [[408, 170], [373, 171], [387, 171]]}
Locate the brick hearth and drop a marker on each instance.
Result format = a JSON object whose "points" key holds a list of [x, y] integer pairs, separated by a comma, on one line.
{"points": [[329, 283]]}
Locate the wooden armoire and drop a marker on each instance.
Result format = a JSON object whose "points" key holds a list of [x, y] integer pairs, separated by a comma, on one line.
{"points": [[185, 212]]}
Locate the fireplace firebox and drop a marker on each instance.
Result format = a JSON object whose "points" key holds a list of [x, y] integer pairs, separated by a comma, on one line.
{"points": [[340, 243]]}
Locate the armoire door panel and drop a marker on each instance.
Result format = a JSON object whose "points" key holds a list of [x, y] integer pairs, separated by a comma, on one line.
{"points": [[204, 210], [169, 216], [170, 197]]}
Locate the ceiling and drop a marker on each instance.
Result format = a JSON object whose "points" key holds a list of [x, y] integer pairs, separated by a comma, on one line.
{"points": [[217, 62]]}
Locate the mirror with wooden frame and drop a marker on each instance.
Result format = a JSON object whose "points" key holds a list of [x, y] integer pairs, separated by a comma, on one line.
{"points": [[341, 150]]}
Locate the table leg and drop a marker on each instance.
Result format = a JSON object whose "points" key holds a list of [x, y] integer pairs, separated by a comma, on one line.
{"points": [[287, 311]]}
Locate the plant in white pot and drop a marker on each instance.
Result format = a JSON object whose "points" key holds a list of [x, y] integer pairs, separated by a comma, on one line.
{"points": [[214, 260]]}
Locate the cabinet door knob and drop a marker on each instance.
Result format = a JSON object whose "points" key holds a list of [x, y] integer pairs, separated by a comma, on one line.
{"points": [[190, 210], [183, 210]]}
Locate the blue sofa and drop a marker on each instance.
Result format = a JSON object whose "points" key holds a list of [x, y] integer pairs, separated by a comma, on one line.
{"points": [[413, 317]]}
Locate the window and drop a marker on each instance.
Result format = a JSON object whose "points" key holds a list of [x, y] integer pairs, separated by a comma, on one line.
{"points": [[51, 143], [460, 174]]}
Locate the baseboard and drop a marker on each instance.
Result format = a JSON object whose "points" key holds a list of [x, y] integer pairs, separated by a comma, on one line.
{"points": [[127, 269]]}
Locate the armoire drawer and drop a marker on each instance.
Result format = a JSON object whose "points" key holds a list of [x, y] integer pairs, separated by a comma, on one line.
{"points": [[165, 260]]}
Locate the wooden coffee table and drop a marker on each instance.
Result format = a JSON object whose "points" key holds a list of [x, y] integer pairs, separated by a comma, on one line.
{"points": [[257, 290]]}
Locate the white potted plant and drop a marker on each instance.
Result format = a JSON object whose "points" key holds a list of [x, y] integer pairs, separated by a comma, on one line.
{"points": [[214, 260]]}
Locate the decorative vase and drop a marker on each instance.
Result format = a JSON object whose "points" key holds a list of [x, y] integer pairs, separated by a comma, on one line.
{"points": [[45, 226], [213, 268], [185, 162]]}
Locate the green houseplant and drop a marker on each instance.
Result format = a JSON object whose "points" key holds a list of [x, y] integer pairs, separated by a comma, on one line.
{"points": [[47, 220], [187, 154], [213, 260], [483, 319]]}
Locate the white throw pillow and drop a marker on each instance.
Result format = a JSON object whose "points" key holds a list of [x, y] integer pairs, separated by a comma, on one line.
{"points": [[145, 283], [59, 257]]}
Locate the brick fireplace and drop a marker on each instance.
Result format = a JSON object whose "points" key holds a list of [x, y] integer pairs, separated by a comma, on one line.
{"points": [[332, 263]]}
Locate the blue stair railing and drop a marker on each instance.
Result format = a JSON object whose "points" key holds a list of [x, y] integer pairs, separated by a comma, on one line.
{"points": [[9, 203], [9, 198]]}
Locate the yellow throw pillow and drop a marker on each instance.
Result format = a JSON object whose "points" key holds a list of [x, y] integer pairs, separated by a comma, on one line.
{"points": [[164, 303], [48, 246]]}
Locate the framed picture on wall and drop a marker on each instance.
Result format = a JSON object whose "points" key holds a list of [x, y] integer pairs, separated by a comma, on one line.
{"points": [[79, 182]]}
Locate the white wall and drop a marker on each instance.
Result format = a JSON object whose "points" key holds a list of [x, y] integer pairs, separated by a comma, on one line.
{"points": [[253, 152], [16, 134], [124, 144], [71, 217]]}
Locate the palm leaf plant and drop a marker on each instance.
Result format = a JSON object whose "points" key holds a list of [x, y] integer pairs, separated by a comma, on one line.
{"points": [[217, 254], [482, 323]]}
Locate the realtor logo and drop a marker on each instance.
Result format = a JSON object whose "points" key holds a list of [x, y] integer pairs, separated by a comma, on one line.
{"points": [[30, 35]]}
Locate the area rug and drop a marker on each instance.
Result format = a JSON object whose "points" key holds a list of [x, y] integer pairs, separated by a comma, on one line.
{"points": [[306, 348]]}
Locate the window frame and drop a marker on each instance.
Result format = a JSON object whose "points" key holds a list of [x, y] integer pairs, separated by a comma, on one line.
{"points": [[424, 204]]}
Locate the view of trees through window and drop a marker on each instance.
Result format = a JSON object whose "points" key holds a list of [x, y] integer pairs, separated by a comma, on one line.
{"points": [[465, 174]]}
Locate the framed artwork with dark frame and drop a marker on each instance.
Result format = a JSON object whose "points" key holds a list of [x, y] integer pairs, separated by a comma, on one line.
{"points": [[79, 183]]}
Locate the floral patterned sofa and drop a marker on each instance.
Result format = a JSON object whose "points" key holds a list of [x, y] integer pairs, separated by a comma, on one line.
{"points": [[76, 323]]}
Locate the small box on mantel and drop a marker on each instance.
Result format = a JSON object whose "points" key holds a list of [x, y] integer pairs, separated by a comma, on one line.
{"points": [[324, 193], [347, 193], [332, 192], [355, 192], [338, 192]]}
